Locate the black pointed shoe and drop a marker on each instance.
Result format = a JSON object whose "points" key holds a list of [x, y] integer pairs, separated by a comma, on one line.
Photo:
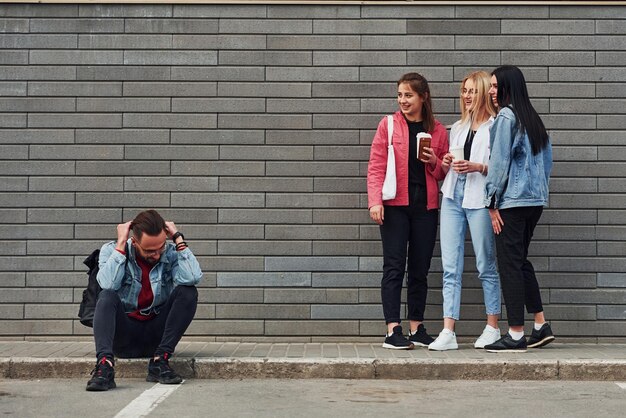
{"points": [[542, 337], [507, 344]]}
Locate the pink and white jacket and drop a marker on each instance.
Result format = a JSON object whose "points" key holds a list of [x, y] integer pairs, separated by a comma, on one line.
{"points": [[378, 163]]}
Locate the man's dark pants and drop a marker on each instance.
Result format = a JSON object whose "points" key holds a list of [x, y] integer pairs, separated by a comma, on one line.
{"points": [[116, 333]]}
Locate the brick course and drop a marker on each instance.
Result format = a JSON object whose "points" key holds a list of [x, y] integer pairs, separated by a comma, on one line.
{"points": [[249, 125]]}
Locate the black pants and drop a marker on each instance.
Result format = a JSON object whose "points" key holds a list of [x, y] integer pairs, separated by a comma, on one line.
{"points": [[517, 275], [116, 333], [418, 228]]}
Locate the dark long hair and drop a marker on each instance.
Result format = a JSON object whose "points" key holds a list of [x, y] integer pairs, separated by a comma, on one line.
{"points": [[512, 93], [420, 86]]}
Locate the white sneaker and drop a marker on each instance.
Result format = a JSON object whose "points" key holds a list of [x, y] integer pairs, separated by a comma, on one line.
{"points": [[489, 336], [445, 341]]}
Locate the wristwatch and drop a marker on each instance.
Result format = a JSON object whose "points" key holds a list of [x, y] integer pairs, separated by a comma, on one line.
{"points": [[178, 234]]}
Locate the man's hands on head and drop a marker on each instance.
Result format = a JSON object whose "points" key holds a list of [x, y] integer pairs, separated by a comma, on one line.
{"points": [[123, 231], [170, 229]]}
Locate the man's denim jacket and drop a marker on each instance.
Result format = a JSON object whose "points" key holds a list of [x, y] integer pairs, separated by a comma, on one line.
{"points": [[174, 268], [516, 177]]}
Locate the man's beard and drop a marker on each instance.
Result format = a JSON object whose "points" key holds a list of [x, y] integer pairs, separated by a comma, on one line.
{"points": [[151, 261]]}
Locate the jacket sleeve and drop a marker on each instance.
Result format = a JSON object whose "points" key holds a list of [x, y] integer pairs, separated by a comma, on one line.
{"points": [[547, 160], [112, 266], [502, 135], [442, 139], [185, 268], [377, 166]]}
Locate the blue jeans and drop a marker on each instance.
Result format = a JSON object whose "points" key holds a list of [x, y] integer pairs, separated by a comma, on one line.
{"points": [[453, 225]]}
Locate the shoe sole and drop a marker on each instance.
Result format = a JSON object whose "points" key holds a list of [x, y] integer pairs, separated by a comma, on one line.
{"points": [[484, 345], [508, 350], [100, 388], [393, 347], [150, 378], [443, 348], [543, 342], [419, 344]]}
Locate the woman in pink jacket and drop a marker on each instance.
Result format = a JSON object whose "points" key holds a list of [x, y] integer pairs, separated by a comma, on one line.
{"points": [[411, 217]]}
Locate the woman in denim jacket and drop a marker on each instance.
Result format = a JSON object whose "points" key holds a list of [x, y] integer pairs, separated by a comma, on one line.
{"points": [[516, 192], [462, 206]]}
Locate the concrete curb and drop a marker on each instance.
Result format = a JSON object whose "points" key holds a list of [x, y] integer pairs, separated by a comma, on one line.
{"points": [[323, 368]]}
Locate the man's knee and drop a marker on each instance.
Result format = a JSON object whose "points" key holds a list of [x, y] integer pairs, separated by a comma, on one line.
{"points": [[187, 294], [107, 305], [108, 297]]}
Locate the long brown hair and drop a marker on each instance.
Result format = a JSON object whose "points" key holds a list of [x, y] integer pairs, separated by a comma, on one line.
{"points": [[419, 85]]}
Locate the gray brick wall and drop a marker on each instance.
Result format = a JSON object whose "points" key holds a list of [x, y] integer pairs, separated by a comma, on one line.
{"points": [[249, 126]]}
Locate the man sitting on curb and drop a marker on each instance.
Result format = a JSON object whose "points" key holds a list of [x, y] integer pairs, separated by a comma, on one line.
{"points": [[148, 298]]}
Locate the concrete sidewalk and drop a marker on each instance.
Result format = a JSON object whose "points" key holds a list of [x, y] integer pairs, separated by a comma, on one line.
{"points": [[227, 360]]}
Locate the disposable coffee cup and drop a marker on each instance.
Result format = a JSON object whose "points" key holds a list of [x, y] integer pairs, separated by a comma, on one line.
{"points": [[423, 140], [458, 153]]}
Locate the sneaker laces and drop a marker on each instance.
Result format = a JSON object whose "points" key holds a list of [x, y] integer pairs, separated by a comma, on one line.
{"points": [[164, 365], [97, 371]]}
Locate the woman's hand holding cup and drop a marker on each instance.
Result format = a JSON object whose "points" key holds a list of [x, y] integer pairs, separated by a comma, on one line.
{"points": [[464, 166], [429, 157]]}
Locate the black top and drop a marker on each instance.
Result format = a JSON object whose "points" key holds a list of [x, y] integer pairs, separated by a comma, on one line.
{"points": [[467, 149], [417, 173]]}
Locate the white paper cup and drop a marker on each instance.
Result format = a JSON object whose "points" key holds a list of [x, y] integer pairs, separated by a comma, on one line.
{"points": [[458, 153]]}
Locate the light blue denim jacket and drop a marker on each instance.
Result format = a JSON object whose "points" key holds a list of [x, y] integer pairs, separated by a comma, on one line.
{"points": [[516, 177], [174, 268]]}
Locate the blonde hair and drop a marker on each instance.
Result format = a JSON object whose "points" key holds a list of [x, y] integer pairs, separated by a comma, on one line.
{"points": [[482, 101]]}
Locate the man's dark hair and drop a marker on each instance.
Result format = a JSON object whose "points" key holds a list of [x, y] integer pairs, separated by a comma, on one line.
{"points": [[512, 93], [148, 222]]}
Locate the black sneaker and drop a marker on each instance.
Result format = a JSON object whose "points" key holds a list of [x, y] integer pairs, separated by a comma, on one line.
{"points": [[397, 341], [421, 338], [507, 344], [160, 371], [103, 377], [542, 337]]}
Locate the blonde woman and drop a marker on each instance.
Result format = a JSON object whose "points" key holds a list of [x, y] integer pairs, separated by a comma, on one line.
{"points": [[462, 206]]}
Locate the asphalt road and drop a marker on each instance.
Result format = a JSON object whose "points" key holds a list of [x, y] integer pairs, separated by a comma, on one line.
{"points": [[315, 398]]}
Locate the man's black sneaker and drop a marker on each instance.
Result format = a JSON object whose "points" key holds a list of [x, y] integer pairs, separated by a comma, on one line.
{"points": [[397, 341], [421, 338], [507, 344], [160, 371], [542, 337], [103, 377]]}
